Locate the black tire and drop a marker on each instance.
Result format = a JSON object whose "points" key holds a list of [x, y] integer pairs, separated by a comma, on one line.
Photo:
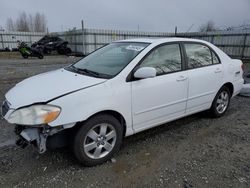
{"points": [[68, 51], [81, 138], [25, 56], [46, 51], [60, 51], [40, 56], [214, 108]]}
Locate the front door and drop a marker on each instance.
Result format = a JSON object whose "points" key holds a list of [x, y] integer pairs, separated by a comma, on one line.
{"points": [[162, 98]]}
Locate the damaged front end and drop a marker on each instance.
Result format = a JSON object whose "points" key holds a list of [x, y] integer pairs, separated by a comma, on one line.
{"points": [[32, 125], [36, 136]]}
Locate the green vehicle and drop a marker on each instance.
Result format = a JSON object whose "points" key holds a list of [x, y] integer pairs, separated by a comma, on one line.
{"points": [[27, 51]]}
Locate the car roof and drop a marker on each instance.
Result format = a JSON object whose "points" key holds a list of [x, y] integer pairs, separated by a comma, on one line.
{"points": [[161, 40]]}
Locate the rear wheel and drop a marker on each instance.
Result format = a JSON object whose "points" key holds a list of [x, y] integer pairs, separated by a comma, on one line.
{"points": [[68, 51], [221, 102], [40, 56], [25, 56], [97, 140]]}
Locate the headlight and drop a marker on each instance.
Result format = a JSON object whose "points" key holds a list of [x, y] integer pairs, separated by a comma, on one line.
{"points": [[34, 115]]}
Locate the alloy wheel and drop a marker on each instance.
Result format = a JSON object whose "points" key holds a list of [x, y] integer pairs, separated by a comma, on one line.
{"points": [[222, 102], [100, 140]]}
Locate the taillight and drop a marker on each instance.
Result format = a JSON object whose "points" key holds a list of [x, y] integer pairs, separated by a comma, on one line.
{"points": [[242, 66]]}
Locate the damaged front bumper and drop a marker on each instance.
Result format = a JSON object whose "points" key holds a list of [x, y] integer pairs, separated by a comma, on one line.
{"points": [[32, 135], [37, 135], [43, 136]]}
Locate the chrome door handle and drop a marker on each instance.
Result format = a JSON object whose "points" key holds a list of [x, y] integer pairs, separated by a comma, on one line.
{"points": [[238, 72], [181, 78], [218, 70]]}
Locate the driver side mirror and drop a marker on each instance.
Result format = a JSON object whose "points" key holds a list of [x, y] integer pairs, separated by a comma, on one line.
{"points": [[145, 72]]}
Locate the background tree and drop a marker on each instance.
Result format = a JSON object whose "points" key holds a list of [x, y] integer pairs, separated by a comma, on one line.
{"points": [[209, 26], [39, 22], [24, 22], [10, 26], [31, 23]]}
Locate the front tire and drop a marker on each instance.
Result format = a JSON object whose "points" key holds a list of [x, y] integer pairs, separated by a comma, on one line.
{"points": [[97, 140], [221, 102]]}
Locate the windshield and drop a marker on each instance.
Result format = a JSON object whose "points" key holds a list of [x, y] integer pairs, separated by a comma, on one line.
{"points": [[109, 60]]}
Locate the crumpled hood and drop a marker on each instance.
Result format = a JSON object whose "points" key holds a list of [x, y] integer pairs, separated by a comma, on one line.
{"points": [[47, 86]]}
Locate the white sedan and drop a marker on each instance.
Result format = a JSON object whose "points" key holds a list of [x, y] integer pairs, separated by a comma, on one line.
{"points": [[122, 88]]}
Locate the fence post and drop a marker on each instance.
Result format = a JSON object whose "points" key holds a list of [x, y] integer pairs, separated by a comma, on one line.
{"points": [[212, 40], [83, 39], [175, 31], [243, 46], [2, 40], [76, 44], [30, 41], [95, 41]]}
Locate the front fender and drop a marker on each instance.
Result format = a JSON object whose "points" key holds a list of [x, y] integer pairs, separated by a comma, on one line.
{"points": [[81, 105]]}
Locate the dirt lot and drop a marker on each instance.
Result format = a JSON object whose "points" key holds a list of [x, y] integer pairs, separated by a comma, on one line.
{"points": [[195, 151]]}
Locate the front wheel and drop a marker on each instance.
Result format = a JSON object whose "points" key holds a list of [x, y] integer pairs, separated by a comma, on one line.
{"points": [[221, 102], [97, 140]]}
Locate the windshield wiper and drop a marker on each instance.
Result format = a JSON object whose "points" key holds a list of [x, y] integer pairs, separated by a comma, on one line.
{"points": [[89, 72], [72, 67]]}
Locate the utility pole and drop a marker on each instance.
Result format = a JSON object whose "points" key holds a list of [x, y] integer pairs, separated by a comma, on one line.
{"points": [[175, 31]]}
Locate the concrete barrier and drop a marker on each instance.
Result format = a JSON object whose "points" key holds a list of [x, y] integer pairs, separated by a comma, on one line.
{"points": [[245, 91]]}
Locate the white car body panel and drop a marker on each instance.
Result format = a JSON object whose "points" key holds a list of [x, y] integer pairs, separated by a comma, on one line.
{"points": [[169, 99], [84, 96], [204, 83], [46, 86], [93, 101]]}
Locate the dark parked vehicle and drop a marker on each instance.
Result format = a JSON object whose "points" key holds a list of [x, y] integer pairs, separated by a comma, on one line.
{"points": [[27, 51], [53, 43]]}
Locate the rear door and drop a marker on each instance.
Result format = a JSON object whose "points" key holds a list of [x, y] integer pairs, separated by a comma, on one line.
{"points": [[205, 75]]}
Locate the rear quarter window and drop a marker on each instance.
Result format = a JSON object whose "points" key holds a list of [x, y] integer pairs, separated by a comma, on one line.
{"points": [[215, 58]]}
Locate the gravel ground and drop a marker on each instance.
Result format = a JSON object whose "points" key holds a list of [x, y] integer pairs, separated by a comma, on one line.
{"points": [[195, 151]]}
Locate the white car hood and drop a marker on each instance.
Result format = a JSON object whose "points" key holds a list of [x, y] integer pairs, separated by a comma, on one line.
{"points": [[47, 86]]}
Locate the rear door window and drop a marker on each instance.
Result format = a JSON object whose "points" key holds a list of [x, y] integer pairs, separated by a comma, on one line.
{"points": [[198, 55]]}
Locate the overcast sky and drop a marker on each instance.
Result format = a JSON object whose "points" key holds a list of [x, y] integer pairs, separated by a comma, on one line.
{"points": [[150, 15]]}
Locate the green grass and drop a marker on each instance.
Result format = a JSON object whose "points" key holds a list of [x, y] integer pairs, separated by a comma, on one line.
{"points": [[9, 55]]}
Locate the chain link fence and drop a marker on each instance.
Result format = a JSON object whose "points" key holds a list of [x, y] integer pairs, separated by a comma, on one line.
{"points": [[235, 43]]}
